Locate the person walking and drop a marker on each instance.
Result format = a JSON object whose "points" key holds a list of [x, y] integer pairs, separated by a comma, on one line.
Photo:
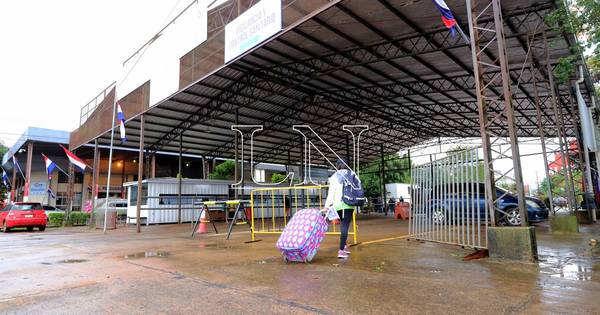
{"points": [[339, 195]]}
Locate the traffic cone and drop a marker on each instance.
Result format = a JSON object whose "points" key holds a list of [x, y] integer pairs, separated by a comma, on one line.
{"points": [[203, 226]]}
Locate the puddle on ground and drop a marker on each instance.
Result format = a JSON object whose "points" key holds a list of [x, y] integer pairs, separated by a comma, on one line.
{"points": [[159, 254], [72, 261], [569, 265]]}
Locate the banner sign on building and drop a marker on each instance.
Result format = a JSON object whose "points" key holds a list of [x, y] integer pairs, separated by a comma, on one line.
{"points": [[37, 189], [260, 22]]}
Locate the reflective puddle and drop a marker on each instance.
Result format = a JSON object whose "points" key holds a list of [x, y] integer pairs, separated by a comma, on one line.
{"points": [[159, 254], [569, 265], [72, 261]]}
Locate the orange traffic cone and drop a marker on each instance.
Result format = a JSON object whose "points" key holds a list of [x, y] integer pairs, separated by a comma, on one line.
{"points": [[203, 227]]}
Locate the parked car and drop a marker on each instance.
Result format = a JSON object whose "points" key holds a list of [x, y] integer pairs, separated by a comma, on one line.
{"points": [[50, 209], [114, 205], [23, 214], [473, 197]]}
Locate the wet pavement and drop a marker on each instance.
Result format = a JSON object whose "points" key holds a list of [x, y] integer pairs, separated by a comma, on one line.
{"points": [[163, 270]]}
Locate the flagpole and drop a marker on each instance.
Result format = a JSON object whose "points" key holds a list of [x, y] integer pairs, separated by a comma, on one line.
{"points": [[60, 169], [17, 166], [462, 34], [112, 135]]}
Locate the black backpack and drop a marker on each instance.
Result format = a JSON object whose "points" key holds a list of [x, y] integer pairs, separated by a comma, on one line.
{"points": [[353, 193]]}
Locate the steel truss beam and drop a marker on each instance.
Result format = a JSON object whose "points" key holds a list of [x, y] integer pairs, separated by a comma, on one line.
{"points": [[488, 100]]}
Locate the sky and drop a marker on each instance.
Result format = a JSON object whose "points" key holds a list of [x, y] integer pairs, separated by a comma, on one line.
{"points": [[57, 55]]}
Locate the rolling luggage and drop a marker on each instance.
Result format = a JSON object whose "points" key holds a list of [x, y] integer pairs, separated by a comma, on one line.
{"points": [[302, 236]]}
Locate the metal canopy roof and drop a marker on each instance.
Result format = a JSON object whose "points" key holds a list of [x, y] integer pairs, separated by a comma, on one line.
{"points": [[387, 64]]}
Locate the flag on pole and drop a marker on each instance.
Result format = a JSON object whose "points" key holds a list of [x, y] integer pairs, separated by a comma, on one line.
{"points": [[74, 159], [121, 119], [16, 164], [50, 166], [5, 179], [447, 16], [51, 193]]}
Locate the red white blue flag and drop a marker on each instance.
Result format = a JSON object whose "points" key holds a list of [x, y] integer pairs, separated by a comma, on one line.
{"points": [[121, 119], [51, 193], [50, 166], [16, 164], [5, 179], [447, 16], [79, 163]]}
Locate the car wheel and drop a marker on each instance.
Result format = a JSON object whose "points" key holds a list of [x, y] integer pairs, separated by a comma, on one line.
{"points": [[438, 216], [513, 217], [4, 227], [42, 228], [30, 228]]}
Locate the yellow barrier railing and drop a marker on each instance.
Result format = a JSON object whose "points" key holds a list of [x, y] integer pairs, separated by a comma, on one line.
{"points": [[271, 208]]}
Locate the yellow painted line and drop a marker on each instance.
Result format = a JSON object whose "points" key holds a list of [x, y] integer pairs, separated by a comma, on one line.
{"points": [[384, 240]]}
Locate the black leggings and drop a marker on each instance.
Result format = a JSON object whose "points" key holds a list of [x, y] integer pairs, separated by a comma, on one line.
{"points": [[346, 218]]}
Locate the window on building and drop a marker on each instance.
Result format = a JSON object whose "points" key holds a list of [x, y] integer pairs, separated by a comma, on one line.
{"points": [[133, 195], [259, 175], [62, 200], [62, 178]]}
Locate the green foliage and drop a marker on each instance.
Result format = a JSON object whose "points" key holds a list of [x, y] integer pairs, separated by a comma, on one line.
{"points": [[565, 68], [56, 218], [558, 184], [277, 177], [224, 170], [397, 170], [510, 186], [582, 18], [79, 218]]}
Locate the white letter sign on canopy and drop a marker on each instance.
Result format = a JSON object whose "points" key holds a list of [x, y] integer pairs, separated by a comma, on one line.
{"points": [[252, 27]]}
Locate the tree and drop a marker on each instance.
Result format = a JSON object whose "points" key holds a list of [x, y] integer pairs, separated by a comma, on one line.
{"points": [[582, 18], [225, 170], [397, 170], [559, 183], [277, 177]]}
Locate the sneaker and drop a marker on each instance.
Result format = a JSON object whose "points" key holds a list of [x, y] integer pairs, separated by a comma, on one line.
{"points": [[347, 250], [342, 254]]}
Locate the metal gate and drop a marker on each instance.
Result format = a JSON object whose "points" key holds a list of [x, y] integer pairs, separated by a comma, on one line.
{"points": [[448, 196]]}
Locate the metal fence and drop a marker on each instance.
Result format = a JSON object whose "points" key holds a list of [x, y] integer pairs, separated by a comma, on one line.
{"points": [[449, 201], [272, 208]]}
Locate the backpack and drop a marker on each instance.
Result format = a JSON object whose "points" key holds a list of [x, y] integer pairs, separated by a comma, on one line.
{"points": [[353, 193]]}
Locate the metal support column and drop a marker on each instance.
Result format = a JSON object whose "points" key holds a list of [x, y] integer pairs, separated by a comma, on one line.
{"points": [[95, 174], [138, 203], [153, 166], [28, 171], [382, 180], [559, 126], [538, 112], [179, 178], [70, 192], [236, 148], [13, 184], [493, 108]]}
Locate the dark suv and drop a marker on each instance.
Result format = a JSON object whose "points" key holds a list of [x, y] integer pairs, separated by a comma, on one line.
{"points": [[472, 196]]}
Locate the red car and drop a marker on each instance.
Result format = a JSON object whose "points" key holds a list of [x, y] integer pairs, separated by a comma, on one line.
{"points": [[23, 214]]}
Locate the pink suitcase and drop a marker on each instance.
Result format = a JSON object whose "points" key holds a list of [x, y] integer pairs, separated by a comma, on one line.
{"points": [[302, 236]]}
